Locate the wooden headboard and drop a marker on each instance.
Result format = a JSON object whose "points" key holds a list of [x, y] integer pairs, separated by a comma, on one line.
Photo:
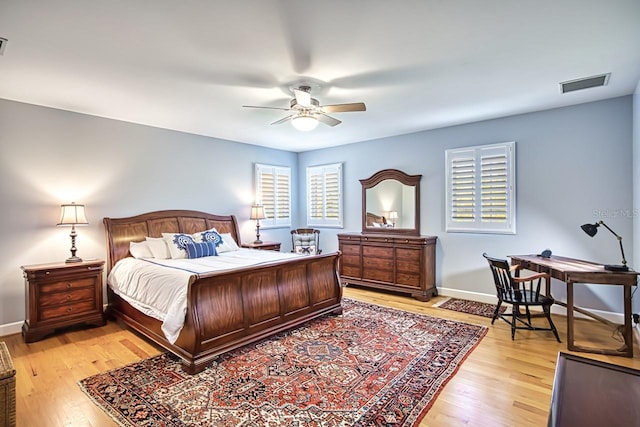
{"points": [[121, 231], [373, 218]]}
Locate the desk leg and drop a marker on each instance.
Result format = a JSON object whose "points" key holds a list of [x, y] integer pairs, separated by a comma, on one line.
{"points": [[628, 329], [570, 343]]}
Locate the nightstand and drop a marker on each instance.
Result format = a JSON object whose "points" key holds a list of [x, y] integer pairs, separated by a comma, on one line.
{"points": [[60, 295], [265, 246]]}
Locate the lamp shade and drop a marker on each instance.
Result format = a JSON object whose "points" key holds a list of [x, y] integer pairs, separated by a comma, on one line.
{"points": [[304, 123], [257, 212], [72, 214], [393, 215], [590, 229]]}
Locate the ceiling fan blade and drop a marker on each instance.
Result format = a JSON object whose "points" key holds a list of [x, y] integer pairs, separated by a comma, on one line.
{"points": [[327, 120], [303, 98], [268, 108], [282, 120], [343, 108]]}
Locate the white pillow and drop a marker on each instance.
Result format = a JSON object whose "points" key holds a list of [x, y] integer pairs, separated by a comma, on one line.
{"points": [[175, 242], [140, 250], [158, 247], [228, 244]]}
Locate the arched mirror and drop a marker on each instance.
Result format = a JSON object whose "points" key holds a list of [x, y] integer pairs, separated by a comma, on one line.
{"points": [[391, 203]]}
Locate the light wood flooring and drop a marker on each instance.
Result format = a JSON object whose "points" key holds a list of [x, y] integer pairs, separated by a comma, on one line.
{"points": [[501, 383]]}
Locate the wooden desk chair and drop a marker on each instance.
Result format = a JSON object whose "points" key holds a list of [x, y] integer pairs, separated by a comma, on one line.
{"points": [[306, 241], [520, 292]]}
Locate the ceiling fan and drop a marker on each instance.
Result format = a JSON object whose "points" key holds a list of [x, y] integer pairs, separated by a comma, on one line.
{"points": [[306, 111]]}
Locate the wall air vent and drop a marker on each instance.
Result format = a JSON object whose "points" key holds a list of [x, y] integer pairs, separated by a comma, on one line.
{"points": [[3, 43], [584, 83]]}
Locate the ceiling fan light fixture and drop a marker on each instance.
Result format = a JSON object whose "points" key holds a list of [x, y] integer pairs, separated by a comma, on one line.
{"points": [[304, 123]]}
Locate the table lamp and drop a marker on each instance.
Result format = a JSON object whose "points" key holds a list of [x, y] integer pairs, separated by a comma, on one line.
{"points": [[257, 213], [592, 229], [73, 215], [393, 215]]}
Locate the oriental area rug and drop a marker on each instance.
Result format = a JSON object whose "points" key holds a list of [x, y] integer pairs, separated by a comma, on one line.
{"points": [[469, 307], [370, 366]]}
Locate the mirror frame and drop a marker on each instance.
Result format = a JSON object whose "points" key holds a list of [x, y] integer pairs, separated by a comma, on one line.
{"points": [[403, 178]]}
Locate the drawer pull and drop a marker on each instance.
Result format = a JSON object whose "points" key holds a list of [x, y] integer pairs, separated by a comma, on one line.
{"points": [[68, 297], [47, 272], [406, 241], [69, 284], [69, 309]]}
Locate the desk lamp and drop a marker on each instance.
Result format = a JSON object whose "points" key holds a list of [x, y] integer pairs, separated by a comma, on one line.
{"points": [[592, 229]]}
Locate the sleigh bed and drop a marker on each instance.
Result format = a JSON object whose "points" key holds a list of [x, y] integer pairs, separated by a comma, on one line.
{"points": [[224, 309]]}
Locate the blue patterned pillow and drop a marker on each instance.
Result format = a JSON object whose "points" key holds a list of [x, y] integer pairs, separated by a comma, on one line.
{"points": [[199, 250], [211, 236], [176, 243]]}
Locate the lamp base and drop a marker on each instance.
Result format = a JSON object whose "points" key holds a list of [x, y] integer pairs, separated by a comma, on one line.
{"points": [[257, 241], [610, 267], [73, 259]]}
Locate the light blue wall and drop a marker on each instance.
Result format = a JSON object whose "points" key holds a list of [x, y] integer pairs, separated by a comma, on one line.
{"points": [[49, 157], [573, 166]]}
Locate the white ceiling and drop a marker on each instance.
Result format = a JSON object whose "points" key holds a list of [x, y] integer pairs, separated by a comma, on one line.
{"points": [[190, 65]]}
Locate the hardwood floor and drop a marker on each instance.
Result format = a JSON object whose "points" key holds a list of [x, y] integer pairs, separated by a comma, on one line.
{"points": [[502, 382]]}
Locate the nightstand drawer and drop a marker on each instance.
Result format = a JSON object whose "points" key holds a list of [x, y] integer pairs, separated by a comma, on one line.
{"points": [[66, 285], [58, 298], [57, 312]]}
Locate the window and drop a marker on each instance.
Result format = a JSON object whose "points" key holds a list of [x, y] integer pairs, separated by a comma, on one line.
{"points": [[481, 191], [324, 195], [273, 192]]}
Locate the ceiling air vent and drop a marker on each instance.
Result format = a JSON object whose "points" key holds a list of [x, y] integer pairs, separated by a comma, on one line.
{"points": [[584, 83]]}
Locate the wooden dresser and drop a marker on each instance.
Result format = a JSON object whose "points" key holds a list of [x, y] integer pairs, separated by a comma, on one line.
{"points": [[59, 295], [391, 262]]}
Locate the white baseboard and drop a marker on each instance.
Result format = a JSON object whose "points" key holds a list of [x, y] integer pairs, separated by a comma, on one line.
{"points": [[10, 328], [555, 309]]}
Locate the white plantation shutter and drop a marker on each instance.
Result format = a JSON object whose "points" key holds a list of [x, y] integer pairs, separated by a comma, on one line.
{"points": [[273, 192], [324, 195], [481, 189]]}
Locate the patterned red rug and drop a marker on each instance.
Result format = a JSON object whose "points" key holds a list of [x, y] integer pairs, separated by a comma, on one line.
{"points": [[371, 366], [470, 307]]}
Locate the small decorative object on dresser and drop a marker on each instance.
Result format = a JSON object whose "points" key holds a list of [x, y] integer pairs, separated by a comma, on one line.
{"points": [[60, 295], [265, 246]]}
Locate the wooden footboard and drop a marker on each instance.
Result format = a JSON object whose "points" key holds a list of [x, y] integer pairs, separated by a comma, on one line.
{"points": [[233, 308]]}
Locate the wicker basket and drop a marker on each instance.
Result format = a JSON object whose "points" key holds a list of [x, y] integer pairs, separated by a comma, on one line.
{"points": [[7, 388]]}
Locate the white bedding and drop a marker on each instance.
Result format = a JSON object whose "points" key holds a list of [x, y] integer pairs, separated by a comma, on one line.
{"points": [[158, 288]]}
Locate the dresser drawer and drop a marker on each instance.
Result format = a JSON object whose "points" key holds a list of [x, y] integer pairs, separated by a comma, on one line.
{"points": [[59, 311], [377, 251], [377, 275], [58, 298], [350, 249], [350, 270], [46, 288], [408, 279]]}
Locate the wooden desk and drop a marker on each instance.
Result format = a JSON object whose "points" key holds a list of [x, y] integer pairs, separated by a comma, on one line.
{"points": [[593, 393], [572, 271]]}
